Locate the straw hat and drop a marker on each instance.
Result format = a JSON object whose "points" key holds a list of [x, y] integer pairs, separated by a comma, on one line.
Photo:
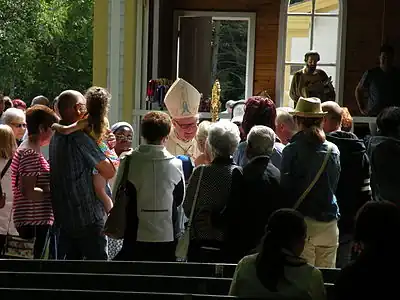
{"points": [[308, 108], [182, 100]]}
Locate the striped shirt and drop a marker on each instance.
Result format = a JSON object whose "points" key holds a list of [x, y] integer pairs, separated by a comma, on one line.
{"points": [[27, 162]]}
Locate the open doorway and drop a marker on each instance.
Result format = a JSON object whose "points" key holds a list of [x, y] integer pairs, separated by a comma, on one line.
{"points": [[216, 45]]}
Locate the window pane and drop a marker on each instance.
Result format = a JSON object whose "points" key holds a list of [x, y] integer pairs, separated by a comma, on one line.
{"points": [[326, 38], [300, 6], [297, 38], [326, 7], [289, 71]]}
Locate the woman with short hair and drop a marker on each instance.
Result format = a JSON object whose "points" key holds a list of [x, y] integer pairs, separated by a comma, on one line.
{"points": [[155, 186], [16, 119], [33, 213], [209, 227], [258, 111], [201, 139]]}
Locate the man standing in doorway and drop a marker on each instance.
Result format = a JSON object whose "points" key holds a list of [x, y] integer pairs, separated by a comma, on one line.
{"points": [[311, 82], [380, 85]]}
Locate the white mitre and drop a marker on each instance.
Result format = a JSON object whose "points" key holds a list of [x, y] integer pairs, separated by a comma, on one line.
{"points": [[182, 100]]}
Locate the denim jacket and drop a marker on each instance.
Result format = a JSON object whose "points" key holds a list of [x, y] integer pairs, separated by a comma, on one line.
{"points": [[301, 161]]}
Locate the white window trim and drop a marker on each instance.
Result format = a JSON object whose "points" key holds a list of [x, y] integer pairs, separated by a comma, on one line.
{"points": [[341, 48], [234, 16]]}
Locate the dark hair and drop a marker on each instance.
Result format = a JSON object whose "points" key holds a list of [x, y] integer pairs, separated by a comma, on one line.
{"points": [[378, 225], [311, 53], [285, 227], [39, 116], [98, 99], [388, 121], [387, 49], [313, 130], [155, 126], [54, 103], [258, 111]]}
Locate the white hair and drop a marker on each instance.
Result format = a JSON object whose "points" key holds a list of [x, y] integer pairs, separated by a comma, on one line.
{"points": [[202, 134], [11, 114], [261, 140], [223, 138]]}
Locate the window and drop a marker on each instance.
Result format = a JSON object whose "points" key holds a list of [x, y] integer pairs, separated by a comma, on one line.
{"points": [[309, 25]]}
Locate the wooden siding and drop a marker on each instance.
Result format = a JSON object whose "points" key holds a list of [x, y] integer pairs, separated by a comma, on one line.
{"points": [[369, 23]]}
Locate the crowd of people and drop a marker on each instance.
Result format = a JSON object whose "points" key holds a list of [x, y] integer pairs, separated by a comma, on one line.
{"points": [[282, 193]]}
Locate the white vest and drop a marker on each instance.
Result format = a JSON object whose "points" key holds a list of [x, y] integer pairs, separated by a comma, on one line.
{"points": [[154, 172]]}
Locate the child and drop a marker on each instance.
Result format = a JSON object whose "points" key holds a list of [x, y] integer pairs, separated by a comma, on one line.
{"points": [[96, 125]]}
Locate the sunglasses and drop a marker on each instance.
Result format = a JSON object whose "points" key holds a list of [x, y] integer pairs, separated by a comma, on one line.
{"points": [[19, 125]]}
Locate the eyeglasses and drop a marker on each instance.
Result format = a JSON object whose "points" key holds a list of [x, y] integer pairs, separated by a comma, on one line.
{"points": [[19, 125], [123, 138]]}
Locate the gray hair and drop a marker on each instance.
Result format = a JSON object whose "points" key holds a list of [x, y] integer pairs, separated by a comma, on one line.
{"points": [[11, 114], [283, 116], [223, 138], [261, 140], [40, 100]]}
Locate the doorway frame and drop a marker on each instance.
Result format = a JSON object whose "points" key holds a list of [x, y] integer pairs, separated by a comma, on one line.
{"points": [[251, 17]]}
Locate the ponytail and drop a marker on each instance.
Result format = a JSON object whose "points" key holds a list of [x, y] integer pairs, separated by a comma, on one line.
{"points": [[313, 129], [285, 228], [315, 134], [270, 262]]}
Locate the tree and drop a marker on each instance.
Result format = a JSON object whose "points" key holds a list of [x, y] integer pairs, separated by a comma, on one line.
{"points": [[45, 46], [230, 57]]}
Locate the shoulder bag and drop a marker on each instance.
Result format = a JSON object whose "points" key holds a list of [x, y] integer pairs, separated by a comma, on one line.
{"points": [[183, 243], [116, 222], [317, 176]]}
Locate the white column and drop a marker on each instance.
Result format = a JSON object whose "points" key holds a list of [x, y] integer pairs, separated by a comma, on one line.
{"points": [[114, 59]]}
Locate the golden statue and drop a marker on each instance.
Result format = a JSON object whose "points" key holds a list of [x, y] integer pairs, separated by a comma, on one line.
{"points": [[215, 101]]}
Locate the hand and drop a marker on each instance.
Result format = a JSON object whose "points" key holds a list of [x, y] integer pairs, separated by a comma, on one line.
{"points": [[56, 126]]}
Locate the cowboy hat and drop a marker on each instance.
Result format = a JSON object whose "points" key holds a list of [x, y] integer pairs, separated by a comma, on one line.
{"points": [[308, 108]]}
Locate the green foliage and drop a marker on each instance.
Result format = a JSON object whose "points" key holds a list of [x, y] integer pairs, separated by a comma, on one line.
{"points": [[230, 58], [45, 46]]}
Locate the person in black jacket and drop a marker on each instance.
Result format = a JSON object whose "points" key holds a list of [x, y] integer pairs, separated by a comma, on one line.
{"points": [[373, 275], [258, 196], [354, 183]]}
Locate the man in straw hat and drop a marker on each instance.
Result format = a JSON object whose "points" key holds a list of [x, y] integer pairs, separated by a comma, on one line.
{"points": [[182, 101], [311, 81]]}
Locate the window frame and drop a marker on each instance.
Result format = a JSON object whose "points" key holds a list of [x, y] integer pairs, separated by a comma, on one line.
{"points": [[340, 55]]}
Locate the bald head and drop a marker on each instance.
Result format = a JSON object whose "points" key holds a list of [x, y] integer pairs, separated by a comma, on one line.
{"points": [[333, 118], [40, 100], [70, 105]]}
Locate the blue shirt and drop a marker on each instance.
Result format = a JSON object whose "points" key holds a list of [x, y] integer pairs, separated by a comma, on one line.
{"points": [[72, 160], [301, 160]]}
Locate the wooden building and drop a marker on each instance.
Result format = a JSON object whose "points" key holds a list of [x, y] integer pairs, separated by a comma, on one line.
{"points": [[136, 40]]}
